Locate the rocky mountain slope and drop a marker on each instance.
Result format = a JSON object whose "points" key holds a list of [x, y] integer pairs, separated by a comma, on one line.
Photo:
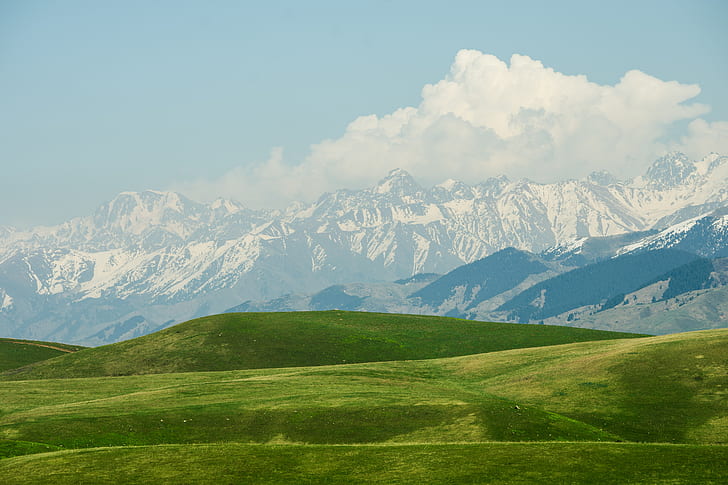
{"points": [[145, 260]]}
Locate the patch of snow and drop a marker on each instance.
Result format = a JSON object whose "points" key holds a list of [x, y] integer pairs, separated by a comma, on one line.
{"points": [[448, 184], [407, 215], [460, 206], [7, 302], [664, 239], [721, 223], [348, 226], [226, 205]]}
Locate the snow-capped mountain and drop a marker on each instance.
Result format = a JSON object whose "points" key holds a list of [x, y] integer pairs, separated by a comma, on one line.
{"points": [[644, 289], [147, 259], [705, 235]]}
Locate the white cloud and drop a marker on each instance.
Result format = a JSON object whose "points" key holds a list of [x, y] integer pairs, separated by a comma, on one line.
{"points": [[704, 137], [488, 118]]}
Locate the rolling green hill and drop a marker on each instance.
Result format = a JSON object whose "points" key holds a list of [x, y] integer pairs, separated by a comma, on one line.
{"points": [[658, 389], [16, 353], [633, 410], [669, 388], [262, 340]]}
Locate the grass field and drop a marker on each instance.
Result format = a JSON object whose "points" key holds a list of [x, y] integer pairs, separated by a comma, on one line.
{"points": [[629, 410], [231, 463]]}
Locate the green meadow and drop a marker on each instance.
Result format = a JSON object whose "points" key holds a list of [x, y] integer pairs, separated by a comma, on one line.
{"points": [[497, 463], [428, 404]]}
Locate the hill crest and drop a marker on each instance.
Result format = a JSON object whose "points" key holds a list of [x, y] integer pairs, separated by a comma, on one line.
{"points": [[265, 340]]}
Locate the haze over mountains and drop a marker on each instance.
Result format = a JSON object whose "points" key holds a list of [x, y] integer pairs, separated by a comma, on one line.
{"points": [[146, 260]]}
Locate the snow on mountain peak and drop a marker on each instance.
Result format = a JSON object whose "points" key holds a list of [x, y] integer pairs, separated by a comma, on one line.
{"points": [[448, 184], [226, 206], [705, 235], [670, 170], [6, 231], [399, 182], [704, 166], [494, 186], [454, 189], [146, 201], [135, 213], [717, 161], [602, 177], [397, 172]]}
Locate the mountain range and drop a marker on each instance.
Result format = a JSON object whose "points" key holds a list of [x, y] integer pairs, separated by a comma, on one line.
{"points": [[148, 259], [641, 289]]}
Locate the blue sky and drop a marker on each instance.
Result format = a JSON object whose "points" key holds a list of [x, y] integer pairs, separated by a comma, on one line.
{"points": [[101, 97]]}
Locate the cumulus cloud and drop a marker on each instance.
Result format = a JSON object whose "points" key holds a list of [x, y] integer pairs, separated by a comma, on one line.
{"points": [[485, 118], [703, 137]]}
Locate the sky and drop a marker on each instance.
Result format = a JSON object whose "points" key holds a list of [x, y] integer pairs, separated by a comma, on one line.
{"points": [[269, 102]]}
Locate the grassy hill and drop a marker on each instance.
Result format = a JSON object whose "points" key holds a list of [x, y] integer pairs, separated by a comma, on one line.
{"points": [[16, 353], [637, 410], [263, 340], [669, 388], [593, 391]]}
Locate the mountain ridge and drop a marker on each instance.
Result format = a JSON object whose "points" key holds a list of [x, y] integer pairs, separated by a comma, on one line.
{"points": [[185, 259], [647, 286]]}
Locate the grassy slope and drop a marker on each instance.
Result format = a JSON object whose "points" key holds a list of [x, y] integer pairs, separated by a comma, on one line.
{"points": [[261, 340], [16, 353], [671, 388], [450, 420], [365, 403], [658, 389], [415, 464]]}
